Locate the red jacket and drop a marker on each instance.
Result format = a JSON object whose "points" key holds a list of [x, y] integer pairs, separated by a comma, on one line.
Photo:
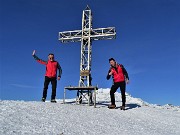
{"points": [[119, 73], [51, 67]]}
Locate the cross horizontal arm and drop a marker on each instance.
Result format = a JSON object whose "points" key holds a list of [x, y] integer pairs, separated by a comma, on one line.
{"points": [[103, 33], [70, 36], [96, 34]]}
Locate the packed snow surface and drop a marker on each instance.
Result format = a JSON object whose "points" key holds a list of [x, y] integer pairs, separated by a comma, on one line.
{"points": [[39, 118]]}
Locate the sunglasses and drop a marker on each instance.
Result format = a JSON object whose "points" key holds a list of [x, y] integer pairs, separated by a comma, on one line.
{"points": [[51, 58]]}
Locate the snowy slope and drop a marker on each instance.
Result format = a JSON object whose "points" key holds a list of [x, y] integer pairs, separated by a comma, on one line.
{"points": [[38, 118]]}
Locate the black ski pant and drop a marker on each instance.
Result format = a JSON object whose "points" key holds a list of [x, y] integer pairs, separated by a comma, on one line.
{"points": [[54, 85], [114, 88]]}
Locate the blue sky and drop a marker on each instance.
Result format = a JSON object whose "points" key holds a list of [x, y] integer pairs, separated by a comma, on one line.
{"points": [[147, 44]]}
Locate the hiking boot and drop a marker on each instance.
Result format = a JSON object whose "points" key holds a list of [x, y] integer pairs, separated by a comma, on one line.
{"points": [[112, 106], [53, 101], [43, 99], [122, 107]]}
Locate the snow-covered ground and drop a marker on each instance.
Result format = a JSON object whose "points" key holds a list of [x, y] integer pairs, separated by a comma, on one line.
{"points": [[38, 118]]}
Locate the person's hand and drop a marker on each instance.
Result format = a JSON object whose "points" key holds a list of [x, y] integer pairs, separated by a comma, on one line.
{"points": [[127, 81], [59, 78], [110, 73], [34, 52]]}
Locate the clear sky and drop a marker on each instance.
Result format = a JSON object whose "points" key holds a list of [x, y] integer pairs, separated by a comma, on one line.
{"points": [[147, 44]]}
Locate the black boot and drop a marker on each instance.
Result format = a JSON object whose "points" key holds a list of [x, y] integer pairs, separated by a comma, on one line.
{"points": [[122, 107], [43, 99], [53, 101]]}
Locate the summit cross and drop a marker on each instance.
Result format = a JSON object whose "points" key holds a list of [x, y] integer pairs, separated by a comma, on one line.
{"points": [[86, 36]]}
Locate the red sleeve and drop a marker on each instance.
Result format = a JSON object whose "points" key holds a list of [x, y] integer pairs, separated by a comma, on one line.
{"points": [[40, 60]]}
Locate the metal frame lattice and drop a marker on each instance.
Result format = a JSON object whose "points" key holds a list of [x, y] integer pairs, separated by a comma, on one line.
{"points": [[86, 36]]}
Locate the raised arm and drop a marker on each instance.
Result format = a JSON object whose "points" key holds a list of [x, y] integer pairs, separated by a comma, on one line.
{"points": [[37, 59]]}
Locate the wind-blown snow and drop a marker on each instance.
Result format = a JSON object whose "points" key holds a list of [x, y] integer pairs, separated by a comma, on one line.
{"points": [[38, 118]]}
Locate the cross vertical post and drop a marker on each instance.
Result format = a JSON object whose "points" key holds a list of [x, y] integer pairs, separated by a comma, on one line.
{"points": [[86, 49]]}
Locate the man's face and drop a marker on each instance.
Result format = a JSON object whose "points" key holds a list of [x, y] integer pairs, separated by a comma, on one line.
{"points": [[112, 63], [51, 57]]}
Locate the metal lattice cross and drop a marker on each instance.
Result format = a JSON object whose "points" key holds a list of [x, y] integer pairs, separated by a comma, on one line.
{"points": [[86, 36]]}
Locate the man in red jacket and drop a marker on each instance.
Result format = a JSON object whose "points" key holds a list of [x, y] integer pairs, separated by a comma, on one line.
{"points": [[120, 78], [50, 76]]}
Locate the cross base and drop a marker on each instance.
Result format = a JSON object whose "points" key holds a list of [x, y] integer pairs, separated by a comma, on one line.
{"points": [[82, 92]]}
